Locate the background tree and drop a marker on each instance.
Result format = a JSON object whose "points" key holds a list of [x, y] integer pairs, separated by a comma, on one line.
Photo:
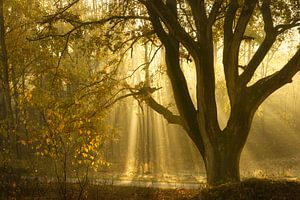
{"points": [[57, 91]]}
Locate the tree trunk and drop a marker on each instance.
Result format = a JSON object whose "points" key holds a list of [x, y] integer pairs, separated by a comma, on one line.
{"points": [[222, 166], [2, 103], [5, 70]]}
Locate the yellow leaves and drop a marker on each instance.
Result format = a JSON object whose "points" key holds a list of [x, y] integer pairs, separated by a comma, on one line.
{"points": [[84, 155], [49, 113], [80, 122], [39, 153], [23, 142], [44, 152], [77, 102], [28, 96], [61, 127], [85, 149], [74, 127], [91, 147], [48, 141]]}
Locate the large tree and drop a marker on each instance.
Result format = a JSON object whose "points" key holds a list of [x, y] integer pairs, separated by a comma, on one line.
{"points": [[193, 26], [221, 148]]}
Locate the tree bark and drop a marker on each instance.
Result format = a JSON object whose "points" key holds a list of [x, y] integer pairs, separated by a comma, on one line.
{"points": [[222, 164], [223, 168]]}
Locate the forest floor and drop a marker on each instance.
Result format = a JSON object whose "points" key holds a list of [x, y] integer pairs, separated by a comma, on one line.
{"points": [[251, 189]]}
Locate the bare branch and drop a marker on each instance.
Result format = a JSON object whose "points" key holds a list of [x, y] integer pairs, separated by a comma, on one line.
{"points": [[267, 16], [62, 10], [90, 23], [146, 63]]}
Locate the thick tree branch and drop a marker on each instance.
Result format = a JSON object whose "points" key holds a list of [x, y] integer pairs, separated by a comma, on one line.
{"points": [[199, 15], [166, 113], [271, 35], [203, 57], [229, 20], [173, 67], [264, 47], [243, 21], [229, 69], [233, 41], [215, 11], [171, 41], [204, 63], [284, 27], [188, 16], [174, 71], [170, 21], [258, 57], [266, 86], [158, 27], [144, 94], [267, 16]]}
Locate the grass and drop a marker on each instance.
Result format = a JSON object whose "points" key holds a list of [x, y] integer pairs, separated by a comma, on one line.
{"points": [[251, 189]]}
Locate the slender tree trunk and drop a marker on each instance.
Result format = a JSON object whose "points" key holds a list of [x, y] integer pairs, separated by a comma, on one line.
{"points": [[2, 112], [16, 113], [5, 87], [147, 113], [5, 70], [65, 196], [2, 98], [2, 101]]}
